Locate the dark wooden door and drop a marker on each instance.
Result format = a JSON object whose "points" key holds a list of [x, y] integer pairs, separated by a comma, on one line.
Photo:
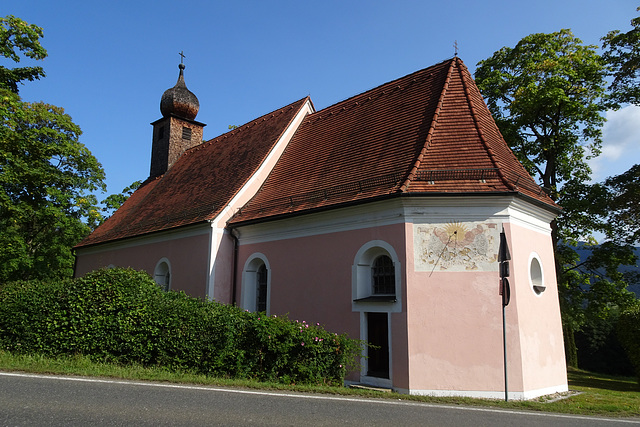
{"points": [[378, 337]]}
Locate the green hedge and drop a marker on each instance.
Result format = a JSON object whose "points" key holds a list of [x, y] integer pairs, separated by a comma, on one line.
{"points": [[122, 316], [629, 335]]}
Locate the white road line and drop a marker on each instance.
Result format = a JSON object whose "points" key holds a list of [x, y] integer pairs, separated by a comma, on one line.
{"points": [[319, 397]]}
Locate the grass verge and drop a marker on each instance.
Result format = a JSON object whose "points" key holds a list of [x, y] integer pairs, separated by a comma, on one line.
{"points": [[600, 395]]}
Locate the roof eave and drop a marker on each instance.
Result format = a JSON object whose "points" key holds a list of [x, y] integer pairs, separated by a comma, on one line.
{"points": [[180, 118], [553, 209], [141, 235]]}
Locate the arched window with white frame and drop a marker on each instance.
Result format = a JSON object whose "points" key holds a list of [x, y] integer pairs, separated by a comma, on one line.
{"points": [[376, 274], [256, 279], [162, 274], [262, 276], [376, 292]]}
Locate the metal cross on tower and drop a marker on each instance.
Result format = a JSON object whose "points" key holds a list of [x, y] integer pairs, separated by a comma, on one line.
{"points": [[182, 56]]}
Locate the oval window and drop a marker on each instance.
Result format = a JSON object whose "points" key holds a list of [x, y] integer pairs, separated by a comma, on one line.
{"points": [[536, 278]]}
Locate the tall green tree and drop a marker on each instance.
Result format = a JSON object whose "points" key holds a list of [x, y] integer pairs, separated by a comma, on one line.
{"points": [[548, 95], [623, 216], [16, 36], [622, 53], [46, 174]]}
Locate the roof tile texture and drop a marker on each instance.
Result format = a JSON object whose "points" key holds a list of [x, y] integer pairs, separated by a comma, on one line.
{"points": [[397, 134], [428, 133], [201, 183]]}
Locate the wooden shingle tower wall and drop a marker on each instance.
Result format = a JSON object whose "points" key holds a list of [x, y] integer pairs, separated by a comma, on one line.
{"points": [[176, 131]]}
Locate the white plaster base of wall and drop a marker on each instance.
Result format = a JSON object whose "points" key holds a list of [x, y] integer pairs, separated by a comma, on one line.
{"points": [[513, 395]]}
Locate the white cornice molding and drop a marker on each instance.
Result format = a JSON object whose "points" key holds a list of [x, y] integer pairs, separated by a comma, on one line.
{"points": [[531, 216], [415, 210], [463, 208], [474, 208], [331, 221]]}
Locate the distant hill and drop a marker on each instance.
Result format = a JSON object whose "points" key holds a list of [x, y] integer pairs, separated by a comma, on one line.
{"points": [[584, 253]]}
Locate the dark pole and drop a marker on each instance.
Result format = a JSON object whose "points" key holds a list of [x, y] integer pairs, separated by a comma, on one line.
{"points": [[504, 344], [504, 256]]}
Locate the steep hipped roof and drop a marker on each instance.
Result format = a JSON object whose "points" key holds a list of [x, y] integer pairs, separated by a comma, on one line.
{"points": [[201, 183], [429, 133], [426, 133]]}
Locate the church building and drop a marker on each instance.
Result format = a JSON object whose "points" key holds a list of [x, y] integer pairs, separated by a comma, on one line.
{"points": [[385, 216]]}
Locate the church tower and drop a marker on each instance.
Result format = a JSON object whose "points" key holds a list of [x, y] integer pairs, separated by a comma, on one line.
{"points": [[177, 130]]}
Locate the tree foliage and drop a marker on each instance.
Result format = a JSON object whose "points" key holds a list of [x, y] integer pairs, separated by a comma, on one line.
{"points": [[46, 175], [629, 335], [548, 95], [622, 53], [113, 202], [623, 218], [592, 284], [16, 36]]}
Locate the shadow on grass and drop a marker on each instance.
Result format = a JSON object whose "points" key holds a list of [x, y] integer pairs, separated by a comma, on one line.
{"points": [[587, 379]]}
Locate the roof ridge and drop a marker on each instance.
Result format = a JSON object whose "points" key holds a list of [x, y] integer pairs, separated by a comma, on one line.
{"points": [[368, 92], [302, 102], [250, 123], [434, 120], [476, 122], [255, 120]]}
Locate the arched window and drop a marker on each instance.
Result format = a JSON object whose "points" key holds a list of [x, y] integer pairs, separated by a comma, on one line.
{"points": [[383, 276], [255, 292], [162, 274], [377, 292], [376, 276]]}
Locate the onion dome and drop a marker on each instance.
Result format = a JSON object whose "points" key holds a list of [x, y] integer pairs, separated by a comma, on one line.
{"points": [[179, 100]]}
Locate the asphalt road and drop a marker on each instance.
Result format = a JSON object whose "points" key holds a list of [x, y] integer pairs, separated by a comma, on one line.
{"points": [[46, 400]]}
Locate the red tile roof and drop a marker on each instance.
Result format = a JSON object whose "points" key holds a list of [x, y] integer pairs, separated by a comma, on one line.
{"points": [[426, 133], [201, 183]]}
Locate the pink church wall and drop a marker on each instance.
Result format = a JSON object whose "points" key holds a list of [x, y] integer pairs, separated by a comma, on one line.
{"points": [[448, 336], [187, 257], [455, 331], [311, 281], [311, 276], [455, 325], [400, 362], [223, 270], [538, 316]]}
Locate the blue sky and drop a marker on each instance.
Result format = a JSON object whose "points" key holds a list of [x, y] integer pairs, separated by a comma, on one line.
{"points": [[110, 61]]}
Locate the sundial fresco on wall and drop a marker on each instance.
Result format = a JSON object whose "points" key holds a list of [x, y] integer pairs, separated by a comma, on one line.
{"points": [[456, 246]]}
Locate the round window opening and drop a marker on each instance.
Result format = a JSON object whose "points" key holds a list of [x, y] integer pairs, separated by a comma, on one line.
{"points": [[535, 276]]}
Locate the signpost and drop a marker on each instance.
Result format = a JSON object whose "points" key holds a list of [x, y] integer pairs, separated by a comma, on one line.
{"points": [[504, 256]]}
